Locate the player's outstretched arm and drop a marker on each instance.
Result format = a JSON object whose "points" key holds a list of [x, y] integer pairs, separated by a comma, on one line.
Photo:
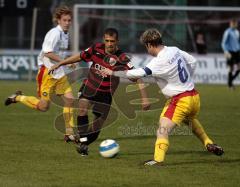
{"points": [[133, 73], [69, 60], [52, 56]]}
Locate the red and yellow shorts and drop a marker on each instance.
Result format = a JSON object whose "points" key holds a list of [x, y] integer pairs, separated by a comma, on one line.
{"points": [[182, 107], [47, 85]]}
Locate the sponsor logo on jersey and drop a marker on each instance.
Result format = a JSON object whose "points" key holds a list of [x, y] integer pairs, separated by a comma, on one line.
{"points": [[129, 65], [45, 94], [112, 61]]}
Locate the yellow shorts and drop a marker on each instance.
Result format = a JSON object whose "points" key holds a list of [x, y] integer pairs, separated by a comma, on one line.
{"points": [[184, 106], [47, 85]]}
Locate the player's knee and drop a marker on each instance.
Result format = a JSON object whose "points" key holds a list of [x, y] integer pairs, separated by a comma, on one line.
{"points": [[83, 111], [97, 114], [43, 106], [162, 132], [69, 102]]}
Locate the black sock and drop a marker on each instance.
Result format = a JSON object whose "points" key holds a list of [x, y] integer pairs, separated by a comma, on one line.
{"points": [[95, 129], [235, 75], [230, 79], [92, 137], [82, 124]]}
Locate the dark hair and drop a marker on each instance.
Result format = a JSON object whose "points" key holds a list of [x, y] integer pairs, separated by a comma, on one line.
{"points": [[111, 32], [152, 37], [62, 10]]}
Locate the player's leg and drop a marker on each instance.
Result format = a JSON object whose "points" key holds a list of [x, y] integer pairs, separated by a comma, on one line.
{"points": [[199, 132], [63, 88], [174, 112], [237, 71], [198, 129], [166, 124], [82, 124], [101, 108], [82, 119], [162, 142], [230, 64], [68, 116], [31, 101]]}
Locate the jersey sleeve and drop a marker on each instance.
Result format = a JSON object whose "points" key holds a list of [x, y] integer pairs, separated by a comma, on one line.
{"points": [[50, 41], [224, 41], [141, 72], [126, 60], [86, 55], [151, 67]]}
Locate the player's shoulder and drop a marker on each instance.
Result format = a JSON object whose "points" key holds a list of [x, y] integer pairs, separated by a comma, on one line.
{"points": [[123, 57], [172, 48], [54, 32], [98, 48], [119, 52], [98, 45], [228, 30]]}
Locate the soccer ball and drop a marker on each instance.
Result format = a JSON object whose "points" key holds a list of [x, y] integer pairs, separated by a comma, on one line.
{"points": [[109, 148]]}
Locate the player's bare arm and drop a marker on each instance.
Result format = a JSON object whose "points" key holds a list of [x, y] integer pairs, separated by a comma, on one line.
{"points": [[52, 56], [133, 73], [69, 60], [145, 101]]}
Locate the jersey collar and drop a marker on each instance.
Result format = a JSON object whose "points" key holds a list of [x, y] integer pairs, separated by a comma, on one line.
{"points": [[60, 28]]}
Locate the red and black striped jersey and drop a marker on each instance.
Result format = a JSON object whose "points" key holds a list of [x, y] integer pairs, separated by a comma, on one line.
{"points": [[100, 60]]}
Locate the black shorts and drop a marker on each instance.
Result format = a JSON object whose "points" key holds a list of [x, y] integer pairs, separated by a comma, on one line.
{"points": [[101, 101], [235, 59]]}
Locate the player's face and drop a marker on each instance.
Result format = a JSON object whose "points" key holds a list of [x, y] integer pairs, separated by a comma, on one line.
{"points": [[65, 22], [234, 24], [111, 43]]}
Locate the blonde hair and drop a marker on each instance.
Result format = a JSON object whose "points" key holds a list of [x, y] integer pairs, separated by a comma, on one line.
{"points": [[62, 10], [151, 36]]}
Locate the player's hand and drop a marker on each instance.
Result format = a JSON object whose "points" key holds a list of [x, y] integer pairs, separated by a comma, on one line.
{"points": [[106, 71], [227, 55], [51, 70], [145, 104]]}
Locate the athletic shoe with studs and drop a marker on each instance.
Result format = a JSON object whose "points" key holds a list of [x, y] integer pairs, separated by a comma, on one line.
{"points": [[69, 138], [12, 98], [82, 149], [215, 149], [152, 163]]}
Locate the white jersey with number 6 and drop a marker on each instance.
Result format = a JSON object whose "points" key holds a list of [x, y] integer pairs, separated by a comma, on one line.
{"points": [[172, 69]]}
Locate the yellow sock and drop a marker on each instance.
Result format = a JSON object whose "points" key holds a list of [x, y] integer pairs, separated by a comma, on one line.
{"points": [[29, 101], [68, 118], [161, 147], [200, 133]]}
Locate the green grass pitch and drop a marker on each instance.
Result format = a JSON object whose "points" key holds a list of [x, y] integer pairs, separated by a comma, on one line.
{"points": [[32, 152]]}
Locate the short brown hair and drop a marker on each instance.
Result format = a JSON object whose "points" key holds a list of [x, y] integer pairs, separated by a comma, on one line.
{"points": [[62, 10], [111, 32], [151, 36]]}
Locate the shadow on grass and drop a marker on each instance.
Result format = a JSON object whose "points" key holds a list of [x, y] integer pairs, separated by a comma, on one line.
{"points": [[129, 138], [192, 163], [210, 161]]}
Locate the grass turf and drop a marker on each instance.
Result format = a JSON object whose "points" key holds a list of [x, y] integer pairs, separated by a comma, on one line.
{"points": [[32, 151]]}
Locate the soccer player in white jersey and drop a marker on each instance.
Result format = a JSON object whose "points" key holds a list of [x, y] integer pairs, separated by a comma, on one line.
{"points": [[54, 49], [172, 69]]}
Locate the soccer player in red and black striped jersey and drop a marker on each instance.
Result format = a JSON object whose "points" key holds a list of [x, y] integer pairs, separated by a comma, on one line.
{"points": [[97, 89]]}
